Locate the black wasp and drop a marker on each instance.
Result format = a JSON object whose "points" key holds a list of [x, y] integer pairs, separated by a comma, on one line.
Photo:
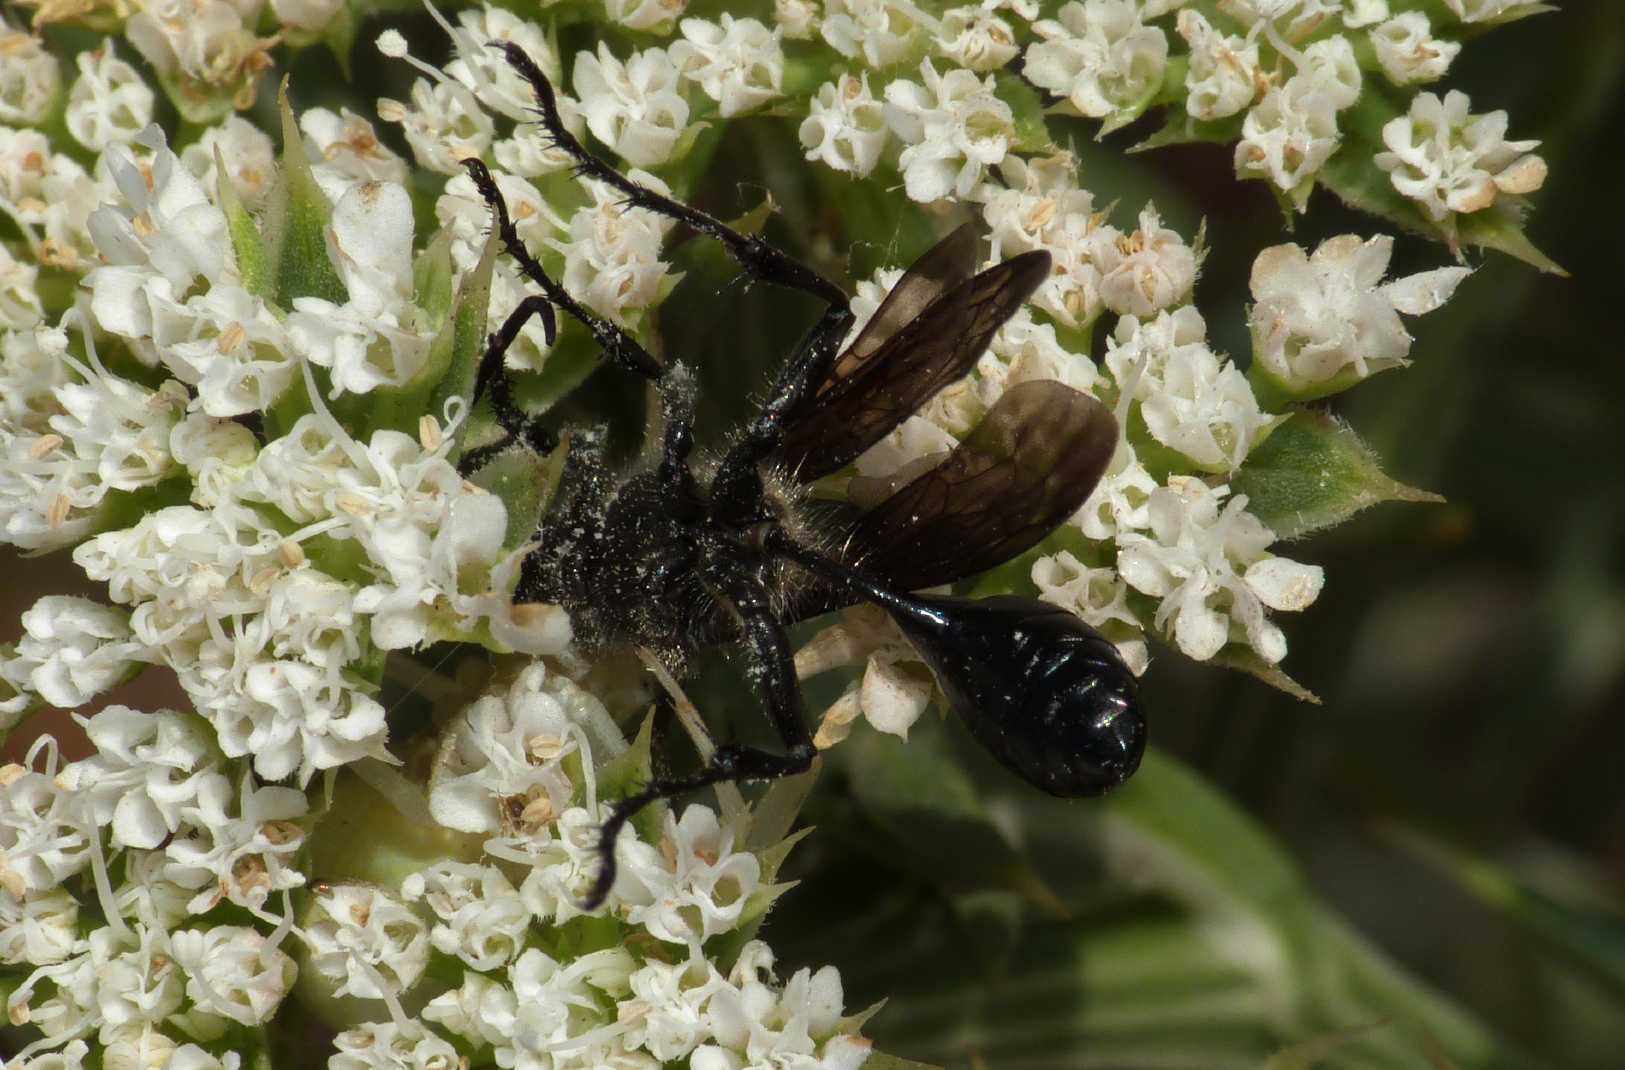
{"points": [[687, 552]]}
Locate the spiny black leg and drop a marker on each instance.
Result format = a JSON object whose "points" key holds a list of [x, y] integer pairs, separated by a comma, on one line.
{"points": [[493, 376], [759, 259], [774, 665], [499, 342], [616, 343]]}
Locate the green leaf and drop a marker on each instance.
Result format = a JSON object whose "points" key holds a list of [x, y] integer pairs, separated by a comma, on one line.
{"points": [[1313, 472], [1592, 938], [1307, 1054], [931, 821], [296, 218], [525, 482]]}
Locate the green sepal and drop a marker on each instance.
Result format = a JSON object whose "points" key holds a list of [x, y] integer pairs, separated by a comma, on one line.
{"points": [[296, 218], [1179, 127], [247, 244], [1313, 473], [525, 482], [1027, 107], [198, 102], [1360, 184], [627, 774], [1245, 659], [879, 1060]]}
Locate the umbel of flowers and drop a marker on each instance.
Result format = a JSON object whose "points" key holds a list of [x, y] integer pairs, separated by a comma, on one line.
{"points": [[234, 384]]}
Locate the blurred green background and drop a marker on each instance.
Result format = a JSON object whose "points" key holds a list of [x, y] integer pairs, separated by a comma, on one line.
{"points": [[1459, 798]]}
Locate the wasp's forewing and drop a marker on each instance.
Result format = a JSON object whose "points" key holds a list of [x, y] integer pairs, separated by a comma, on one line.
{"points": [[873, 389], [1029, 465]]}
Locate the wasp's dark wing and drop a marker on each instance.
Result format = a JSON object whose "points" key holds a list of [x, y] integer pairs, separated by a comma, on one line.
{"points": [[942, 267], [937, 347], [1029, 465]]}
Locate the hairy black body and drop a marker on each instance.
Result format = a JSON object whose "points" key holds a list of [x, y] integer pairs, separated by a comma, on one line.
{"points": [[676, 556]]}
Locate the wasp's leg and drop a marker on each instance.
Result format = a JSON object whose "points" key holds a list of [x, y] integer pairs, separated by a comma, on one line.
{"points": [[775, 665], [492, 376], [759, 259], [619, 346]]}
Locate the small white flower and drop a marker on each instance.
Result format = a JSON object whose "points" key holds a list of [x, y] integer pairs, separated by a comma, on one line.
{"points": [[1332, 65], [1359, 13], [556, 1004], [206, 42], [1100, 56], [388, 1046], [361, 938], [374, 339], [217, 453], [845, 126], [885, 33], [444, 123], [110, 102], [1192, 401], [666, 1014], [1408, 51], [138, 981], [612, 258], [1119, 501], [976, 38], [1448, 160], [1290, 134], [753, 1024], [347, 144], [310, 15], [1490, 10], [798, 20], [481, 919], [651, 16], [39, 929], [503, 770], [955, 128], [233, 972], [738, 62], [248, 153], [480, 1010], [226, 342], [633, 107], [241, 857], [148, 767], [167, 225], [1041, 207], [1296, 18], [1147, 271], [1212, 571], [20, 306], [695, 884], [30, 78], [1224, 74], [1330, 315], [72, 649]]}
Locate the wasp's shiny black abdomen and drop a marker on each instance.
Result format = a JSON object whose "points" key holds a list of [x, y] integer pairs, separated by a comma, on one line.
{"points": [[1045, 693]]}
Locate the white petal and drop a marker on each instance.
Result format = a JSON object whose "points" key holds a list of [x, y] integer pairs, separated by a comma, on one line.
{"points": [[1285, 585]]}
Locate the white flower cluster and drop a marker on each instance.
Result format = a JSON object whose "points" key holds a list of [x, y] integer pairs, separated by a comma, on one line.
{"points": [[110, 866], [1248, 76]]}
